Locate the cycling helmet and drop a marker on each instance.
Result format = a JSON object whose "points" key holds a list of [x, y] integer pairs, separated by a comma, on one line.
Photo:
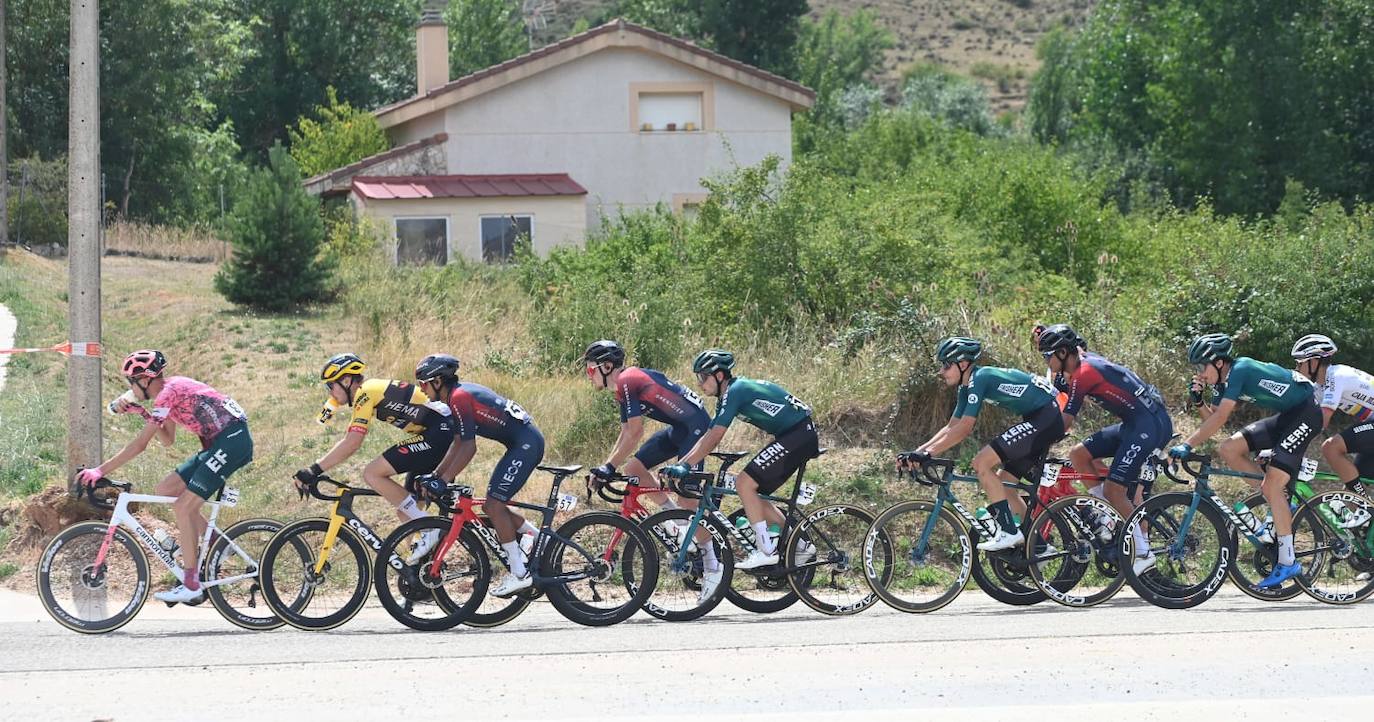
{"points": [[1314, 345], [437, 366], [712, 360], [1058, 336], [604, 350], [341, 365], [145, 364], [958, 348], [1209, 347]]}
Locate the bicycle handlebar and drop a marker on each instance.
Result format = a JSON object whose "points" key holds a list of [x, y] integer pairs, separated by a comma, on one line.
{"points": [[313, 489], [1193, 458], [612, 490], [106, 504]]}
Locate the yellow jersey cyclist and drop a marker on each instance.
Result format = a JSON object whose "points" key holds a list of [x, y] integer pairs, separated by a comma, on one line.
{"points": [[1019, 450], [399, 404], [769, 407], [478, 411], [1350, 391], [1288, 432], [222, 428]]}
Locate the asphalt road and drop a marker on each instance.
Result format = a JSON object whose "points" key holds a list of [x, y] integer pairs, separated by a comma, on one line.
{"points": [[1231, 658]]}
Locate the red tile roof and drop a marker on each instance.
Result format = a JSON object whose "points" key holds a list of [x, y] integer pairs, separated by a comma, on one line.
{"points": [[466, 186]]}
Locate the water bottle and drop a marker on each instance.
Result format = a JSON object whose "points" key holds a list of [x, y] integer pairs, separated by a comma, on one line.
{"points": [[167, 541], [127, 396], [745, 529], [985, 520], [1251, 524], [1340, 509]]}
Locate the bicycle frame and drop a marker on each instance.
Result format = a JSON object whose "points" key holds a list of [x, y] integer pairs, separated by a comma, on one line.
{"points": [[944, 494], [342, 513], [1202, 489], [122, 517]]}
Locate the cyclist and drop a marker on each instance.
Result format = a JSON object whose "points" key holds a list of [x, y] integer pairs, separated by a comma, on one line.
{"points": [[479, 411], [1019, 450], [1144, 427], [769, 407], [226, 446], [1288, 432], [1346, 389], [399, 404]]}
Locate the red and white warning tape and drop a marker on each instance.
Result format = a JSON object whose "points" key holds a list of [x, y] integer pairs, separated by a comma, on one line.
{"points": [[70, 348]]}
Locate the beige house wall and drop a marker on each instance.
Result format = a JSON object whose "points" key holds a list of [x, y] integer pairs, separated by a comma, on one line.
{"points": [[577, 118], [557, 220]]}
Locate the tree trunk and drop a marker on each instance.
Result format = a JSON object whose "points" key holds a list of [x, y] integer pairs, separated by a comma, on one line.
{"points": [[128, 179]]}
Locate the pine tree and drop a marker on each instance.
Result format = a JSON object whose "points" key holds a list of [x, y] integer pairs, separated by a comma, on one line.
{"points": [[277, 234]]}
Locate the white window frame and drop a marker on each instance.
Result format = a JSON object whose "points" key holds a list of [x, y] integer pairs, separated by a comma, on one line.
{"points": [[481, 255], [706, 90], [396, 235]]}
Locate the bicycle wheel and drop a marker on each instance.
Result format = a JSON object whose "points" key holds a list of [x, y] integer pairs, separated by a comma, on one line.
{"points": [[89, 599], [764, 590], [1327, 550], [824, 556], [1068, 560], [1254, 563], [496, 611], [1192, 551], [1004, 575], [415, 598], [931, 559], [602, 583], [678, 595], [237, 552], [301, 596]]}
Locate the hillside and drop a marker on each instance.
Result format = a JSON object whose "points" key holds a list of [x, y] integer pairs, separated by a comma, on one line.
{"points": [[993, 39]]}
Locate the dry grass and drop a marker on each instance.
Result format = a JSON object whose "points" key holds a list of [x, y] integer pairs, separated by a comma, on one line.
{"points": [[165, 242]]}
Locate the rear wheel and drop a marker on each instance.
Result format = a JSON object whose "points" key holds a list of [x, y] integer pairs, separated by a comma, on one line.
{"points": [[418, 597], [237, 552], [824, 556], [307, 598], [607, 575], [83, 597], [930, 561]]}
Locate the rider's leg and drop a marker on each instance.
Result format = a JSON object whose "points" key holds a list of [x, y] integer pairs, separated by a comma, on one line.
{"points": [[1336, 453], [377, 475], [985, 465], [190, 527], [173, 485], [1235, 453]]}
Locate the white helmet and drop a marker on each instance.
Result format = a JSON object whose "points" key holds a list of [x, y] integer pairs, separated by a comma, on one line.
{"points": [[1314, 345]]}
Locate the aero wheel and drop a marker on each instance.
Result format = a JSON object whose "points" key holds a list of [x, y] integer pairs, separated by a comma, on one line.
{"points": [[1330, 533], [600, 577], [307, 589], [825, 555], [1068, 559], [931, 558], [764, 590], [417, 596], [678, 597], [1004, 575], [1254, 563], [237, 554], [87, 598], [1192, 551]]}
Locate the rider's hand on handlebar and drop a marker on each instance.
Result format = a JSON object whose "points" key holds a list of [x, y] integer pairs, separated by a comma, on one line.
{"points": [[1181, 451], [909, 460], [305, 477], [90, 476], [676, 471], [604, 472]]}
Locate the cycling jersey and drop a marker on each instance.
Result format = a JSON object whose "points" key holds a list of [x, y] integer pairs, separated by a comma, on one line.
{"points": [[1116, 387], [1016, 390], [761, 403], [479, 411], [645, 392], [204, 411], [398, 403], [1349, 391], [1268, 385]]}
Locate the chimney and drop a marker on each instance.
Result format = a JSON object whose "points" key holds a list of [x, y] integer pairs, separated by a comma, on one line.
{"points": [[431, 48]]}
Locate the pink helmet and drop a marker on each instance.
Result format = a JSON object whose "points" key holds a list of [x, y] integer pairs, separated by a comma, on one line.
{"points": [[145, 364]]}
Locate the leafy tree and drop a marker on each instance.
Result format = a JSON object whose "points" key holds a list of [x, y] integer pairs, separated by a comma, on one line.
{"points": [[836, 57], [483, 33], [761, 33], [337, 135], [278, 235]]}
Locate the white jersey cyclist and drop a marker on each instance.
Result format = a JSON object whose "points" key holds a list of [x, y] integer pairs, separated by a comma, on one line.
{"points": [[1349, 391]]}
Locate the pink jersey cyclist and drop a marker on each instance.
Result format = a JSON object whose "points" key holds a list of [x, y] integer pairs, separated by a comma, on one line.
{"points": [[199, 408]]}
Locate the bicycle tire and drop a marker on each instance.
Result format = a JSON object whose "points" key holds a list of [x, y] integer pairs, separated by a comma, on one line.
{"points": [[1252, 564], [430, 605], [838, 534], [83, 540], [942, 566], [222, 553], [756, 590], [1077, 549], [677, 597], [636, 584], [1326, 551], [1002, 575], [1164, 585], [283, 569]]}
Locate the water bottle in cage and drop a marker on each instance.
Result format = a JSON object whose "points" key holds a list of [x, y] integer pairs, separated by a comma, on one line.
{"points": [[1252, 524], [165, 540]]}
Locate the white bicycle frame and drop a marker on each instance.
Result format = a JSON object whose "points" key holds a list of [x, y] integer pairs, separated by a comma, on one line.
{"points": [[122, 518]]}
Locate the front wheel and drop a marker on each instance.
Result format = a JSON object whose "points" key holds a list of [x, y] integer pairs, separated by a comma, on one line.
{"points": [[824, 556], [238, 553], [1334, 548], [312, 588], [600, 569], [930, 561], [1192, 551], [89, 598]]}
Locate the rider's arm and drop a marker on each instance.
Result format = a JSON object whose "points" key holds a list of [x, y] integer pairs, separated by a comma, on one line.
{"points": [[459, 455], [133, 448], [630, 433], [708, 443], [167, 432], [1326, 417], [1213, 423], [1068, 422], [347, 446], [951, 436]]}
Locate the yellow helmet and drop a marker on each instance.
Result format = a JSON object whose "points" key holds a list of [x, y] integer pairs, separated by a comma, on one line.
{"points": [[344, 364]]}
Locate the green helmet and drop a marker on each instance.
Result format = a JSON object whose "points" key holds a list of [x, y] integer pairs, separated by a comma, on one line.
{"points": [[712, 360], [1209, 347], [958, 348]]}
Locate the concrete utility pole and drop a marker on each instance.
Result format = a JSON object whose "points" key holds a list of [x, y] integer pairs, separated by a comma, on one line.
{"points": [[4, 149], [83, 237]]}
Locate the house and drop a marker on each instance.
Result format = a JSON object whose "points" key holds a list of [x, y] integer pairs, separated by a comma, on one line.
{"points": [[546, 144]]}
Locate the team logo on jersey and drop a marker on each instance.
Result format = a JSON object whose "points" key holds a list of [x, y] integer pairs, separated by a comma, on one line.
{"points": [[768, 407], [973, 398], [1014, 390], [1274, 387]]}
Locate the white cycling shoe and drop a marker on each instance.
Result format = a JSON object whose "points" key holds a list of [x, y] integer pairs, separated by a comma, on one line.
{"points": [[510, 584], [179, 594], [1003, 540], [757, 559], [423, 545], [1143, 564], [710, 581]]}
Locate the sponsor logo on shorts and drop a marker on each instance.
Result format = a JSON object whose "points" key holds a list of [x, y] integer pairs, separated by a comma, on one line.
{"points": [[217, 461], [1018, 432], [1296, 437], [1362, 428], [770, 453]]}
